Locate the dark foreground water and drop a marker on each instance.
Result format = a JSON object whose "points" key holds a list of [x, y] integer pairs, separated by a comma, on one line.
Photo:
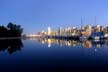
{"points": [[50, 55]]}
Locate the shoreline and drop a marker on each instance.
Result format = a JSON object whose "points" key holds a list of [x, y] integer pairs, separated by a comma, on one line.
{"points": [[61, 38], [3, 38]]}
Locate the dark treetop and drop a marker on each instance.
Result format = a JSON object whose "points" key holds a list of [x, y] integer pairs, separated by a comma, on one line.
{"points": [[11, 30]]}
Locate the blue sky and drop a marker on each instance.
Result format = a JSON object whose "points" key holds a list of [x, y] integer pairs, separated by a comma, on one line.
{"points": [[36, 15]]}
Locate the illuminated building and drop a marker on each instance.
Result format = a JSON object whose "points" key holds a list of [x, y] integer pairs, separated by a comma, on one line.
{"points": [[88, 30], [43, 32], [98, 28], [105, 32], [49, 31], [60, 31]]}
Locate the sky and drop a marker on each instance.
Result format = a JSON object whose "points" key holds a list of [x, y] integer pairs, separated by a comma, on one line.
{"points": [[37, 15]]}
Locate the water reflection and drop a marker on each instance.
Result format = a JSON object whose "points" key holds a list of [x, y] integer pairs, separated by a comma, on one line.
{"points": [[85, 44], [11, 45]]}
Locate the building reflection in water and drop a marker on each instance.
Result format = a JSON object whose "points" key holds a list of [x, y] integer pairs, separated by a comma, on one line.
{"points": [[49, 43], [88, 44], [11, 45], [85, 44]]}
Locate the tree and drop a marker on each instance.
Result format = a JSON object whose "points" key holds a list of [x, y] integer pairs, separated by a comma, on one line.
{"points": [[3, 31], [14, 30]]}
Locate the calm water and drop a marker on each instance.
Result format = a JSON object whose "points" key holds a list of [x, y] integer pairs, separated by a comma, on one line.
{"points": [[52, 55]]}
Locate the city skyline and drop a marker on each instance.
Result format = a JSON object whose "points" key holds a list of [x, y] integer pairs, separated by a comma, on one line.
{"points": [[36, 15]]}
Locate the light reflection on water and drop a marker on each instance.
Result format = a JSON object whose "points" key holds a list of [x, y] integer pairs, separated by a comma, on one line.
{"points": [[41, 54], [68, 43]]}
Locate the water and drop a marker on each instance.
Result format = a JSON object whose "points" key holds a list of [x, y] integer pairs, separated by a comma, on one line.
{"points": [[53, 55]]}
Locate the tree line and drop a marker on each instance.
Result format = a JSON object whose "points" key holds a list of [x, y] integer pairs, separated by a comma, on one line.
{"points": [[11, 30]]}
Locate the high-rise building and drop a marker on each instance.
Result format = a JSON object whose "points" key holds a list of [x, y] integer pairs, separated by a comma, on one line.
{"points": [[60, 31], [88, 30], [49, 31]]}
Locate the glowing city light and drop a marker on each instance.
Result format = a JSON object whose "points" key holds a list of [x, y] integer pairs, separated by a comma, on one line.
{"points": [[49, 31]]}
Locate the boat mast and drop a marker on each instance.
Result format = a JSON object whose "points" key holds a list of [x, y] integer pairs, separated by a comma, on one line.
{"points": [[81, 23], [95, 20]]}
